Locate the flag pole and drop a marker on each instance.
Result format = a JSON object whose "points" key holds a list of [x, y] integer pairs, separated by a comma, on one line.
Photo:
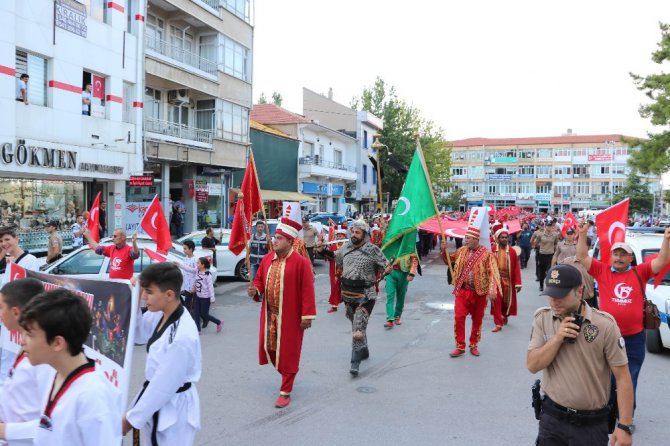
{"points": [[432, 196], [265, 219]]}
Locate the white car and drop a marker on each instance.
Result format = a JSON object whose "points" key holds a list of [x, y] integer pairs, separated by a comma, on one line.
{"points": [[84, 262], [227, 263], [645, 242]]}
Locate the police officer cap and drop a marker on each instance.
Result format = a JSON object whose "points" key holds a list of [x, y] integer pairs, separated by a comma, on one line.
{"points": [[560, 280]]}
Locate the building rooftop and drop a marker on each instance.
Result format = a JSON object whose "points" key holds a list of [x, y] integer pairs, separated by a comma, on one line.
{"points": [[269, 114], [264, 128], [540, 140]]}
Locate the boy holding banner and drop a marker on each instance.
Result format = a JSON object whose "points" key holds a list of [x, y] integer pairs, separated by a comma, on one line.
{"points": [[21, 395]]}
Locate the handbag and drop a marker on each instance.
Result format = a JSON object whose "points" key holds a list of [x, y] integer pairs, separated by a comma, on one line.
{"points": [[651, 317]]}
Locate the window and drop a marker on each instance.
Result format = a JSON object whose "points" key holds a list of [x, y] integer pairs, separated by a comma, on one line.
{"points": [[365, 139], [621, 150], [562, 191], [581, 151], [580, 170], [207, 46], [238, 7], [36, 68], [130, 15], [492, 189], [96, 9], [527, 171], [152, 103], [526, 188], [457, 171], [155, 31], [603, 169], [543, 171], [562, 152], [526, 154], [181, 44], [205, 114], [543, 188], [235, 59], [561, 171], [337, 158], [128, 99], [178, 114], [618, 169], [582, 188], [374, 176], [544, 153], [84, 262], [475, 188], [235, 122], [307, 149], [365, 174]]}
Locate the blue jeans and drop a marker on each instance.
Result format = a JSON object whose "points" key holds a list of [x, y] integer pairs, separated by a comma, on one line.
{"points": [[635, 350], [254, 270]]}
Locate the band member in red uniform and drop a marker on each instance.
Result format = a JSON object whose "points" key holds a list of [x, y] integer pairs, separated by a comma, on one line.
{"points": [[285, 284], [475, 278], [510, 280], [338, 233]]}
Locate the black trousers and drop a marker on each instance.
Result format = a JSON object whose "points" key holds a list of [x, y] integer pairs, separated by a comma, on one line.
{"points": [[310, 252], [555, 432], [525, 255], [201, 311], [544, 263]]}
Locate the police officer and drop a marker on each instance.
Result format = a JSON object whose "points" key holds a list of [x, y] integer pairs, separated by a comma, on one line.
{"points": [[577, 361]]}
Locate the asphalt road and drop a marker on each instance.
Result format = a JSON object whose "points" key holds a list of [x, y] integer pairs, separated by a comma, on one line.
{"points": [[410, 392]]}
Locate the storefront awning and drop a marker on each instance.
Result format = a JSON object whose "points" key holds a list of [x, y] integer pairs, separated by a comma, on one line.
{"points": [[280, 195]]}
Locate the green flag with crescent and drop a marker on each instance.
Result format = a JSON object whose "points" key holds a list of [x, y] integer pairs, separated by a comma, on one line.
{"points": [[415, 205]]}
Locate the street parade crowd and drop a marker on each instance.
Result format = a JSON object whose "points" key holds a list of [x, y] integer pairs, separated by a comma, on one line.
{"points": [[50, 396]]}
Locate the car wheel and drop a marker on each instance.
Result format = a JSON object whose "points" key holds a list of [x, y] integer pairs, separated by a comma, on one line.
{"points": [[241, 271], [654, 344]]}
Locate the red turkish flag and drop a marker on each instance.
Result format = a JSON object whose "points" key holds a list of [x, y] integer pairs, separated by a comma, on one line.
{"points": [[246, 207], [658, 278], [156, 226], [93, 222], [14, 272], [154, 256], [611, 226], [570, 222], [98, 87]]}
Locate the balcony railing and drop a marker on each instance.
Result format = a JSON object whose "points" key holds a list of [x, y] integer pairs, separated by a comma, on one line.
{"points": [[214, 4], [177, 130], [180, 55], [317, 161]]}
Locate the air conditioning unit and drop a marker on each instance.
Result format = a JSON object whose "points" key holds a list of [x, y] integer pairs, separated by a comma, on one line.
{"points": [[178, 97]]}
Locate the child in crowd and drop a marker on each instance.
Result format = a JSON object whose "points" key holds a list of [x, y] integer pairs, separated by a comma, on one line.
{"points": [[81, 404], [22, 394], [204, 296], [167, 409], [188, 270]]}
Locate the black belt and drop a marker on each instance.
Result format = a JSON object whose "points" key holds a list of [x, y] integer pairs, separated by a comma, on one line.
{"points": [[574, 416], [154, 428]]}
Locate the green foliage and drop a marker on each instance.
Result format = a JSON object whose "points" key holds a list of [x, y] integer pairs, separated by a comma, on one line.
{"points": [[654, 153], [262, 99], [453, 200], [641, 200], [277, 99], [402, 123], [666, 196]]}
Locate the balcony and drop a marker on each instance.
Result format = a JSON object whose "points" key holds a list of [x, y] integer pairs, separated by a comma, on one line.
{"points": [[174, 130], [318, 167], [178, 54]]}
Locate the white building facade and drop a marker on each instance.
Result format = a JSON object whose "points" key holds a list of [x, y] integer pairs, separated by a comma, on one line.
{"points": [[57, 153]]}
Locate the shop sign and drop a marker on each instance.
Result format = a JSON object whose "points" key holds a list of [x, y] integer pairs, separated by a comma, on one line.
{"points": [[314, 188], [609, 157], [101, 168], [71, 16], [338, 190], [38, 156], [215, 189], [201, 191], [543, 197], [132, 214], [140, 180], [500, 177]]}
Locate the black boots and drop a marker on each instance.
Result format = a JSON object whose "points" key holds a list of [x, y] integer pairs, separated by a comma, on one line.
{"points": [[356, 356]]}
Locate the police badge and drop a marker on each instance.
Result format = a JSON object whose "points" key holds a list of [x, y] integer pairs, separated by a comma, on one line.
{"points": [[590, 332]]}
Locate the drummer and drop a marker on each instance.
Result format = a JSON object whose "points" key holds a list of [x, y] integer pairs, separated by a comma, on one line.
{"points": [[504, 304]]}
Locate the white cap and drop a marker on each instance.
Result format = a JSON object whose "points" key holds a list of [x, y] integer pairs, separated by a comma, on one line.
{"points": [[621, 245]]}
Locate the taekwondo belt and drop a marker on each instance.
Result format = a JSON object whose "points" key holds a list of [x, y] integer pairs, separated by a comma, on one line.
{"points": [[154, 428]]}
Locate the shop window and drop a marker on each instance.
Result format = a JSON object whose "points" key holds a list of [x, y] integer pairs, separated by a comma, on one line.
{"points": [[36, 69]]}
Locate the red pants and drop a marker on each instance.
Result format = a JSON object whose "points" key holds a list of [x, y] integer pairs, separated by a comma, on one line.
{"points": [[335, 293], [468, 302], [497, 312], [287, 379]]}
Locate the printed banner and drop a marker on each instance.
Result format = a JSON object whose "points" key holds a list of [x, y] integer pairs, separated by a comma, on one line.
{"points": [[132, 215], [111, 340]]}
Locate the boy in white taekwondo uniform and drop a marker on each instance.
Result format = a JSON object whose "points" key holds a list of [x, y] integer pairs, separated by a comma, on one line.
{"points": [[81, 407], [21, 396], [167, 409]]}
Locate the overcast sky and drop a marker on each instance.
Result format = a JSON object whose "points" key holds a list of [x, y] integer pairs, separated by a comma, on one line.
{"points": [[488, 68]]}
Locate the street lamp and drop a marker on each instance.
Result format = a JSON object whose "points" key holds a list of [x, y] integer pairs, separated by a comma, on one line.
{"points": [[378, 147]]}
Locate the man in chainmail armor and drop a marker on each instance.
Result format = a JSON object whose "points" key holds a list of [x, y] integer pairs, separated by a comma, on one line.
{"points": [[360, 261]]}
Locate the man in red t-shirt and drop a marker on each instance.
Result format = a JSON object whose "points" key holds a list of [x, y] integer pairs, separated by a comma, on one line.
{"points": [[121, 255], [621, 292]]}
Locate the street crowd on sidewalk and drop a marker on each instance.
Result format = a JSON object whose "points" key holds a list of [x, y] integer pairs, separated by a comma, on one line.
{"points": [[599, 339]]}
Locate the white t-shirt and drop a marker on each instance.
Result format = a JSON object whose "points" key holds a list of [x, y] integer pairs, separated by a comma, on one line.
{"points": [[21, 85], [85, 95]]}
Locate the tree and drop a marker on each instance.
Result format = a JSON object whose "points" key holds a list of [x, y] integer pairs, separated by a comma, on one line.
{"points": [[262, 99], [453, 200], [641, 200], [402, 123], [276, 98], [666, 196], [654, 154]]}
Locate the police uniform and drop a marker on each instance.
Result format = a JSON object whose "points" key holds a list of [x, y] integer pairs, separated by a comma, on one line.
{"points": [[576, 383]]}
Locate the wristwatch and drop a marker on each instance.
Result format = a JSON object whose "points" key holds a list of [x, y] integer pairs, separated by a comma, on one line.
{"points": [[626, 428]]}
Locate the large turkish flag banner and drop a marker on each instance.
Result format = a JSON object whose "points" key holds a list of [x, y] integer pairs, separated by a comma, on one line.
{"points": [[611, 226]]}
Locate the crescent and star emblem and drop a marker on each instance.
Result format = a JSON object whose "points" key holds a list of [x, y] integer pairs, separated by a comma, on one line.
{"points": [[613, 227], [408, 205], [17, 276], [153, 220]]}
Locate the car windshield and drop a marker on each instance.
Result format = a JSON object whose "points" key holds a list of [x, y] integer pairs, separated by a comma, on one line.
{"points": [[85, 261], [646, 254]]}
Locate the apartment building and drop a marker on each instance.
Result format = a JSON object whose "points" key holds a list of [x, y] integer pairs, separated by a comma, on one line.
{"points": [[569, 172], [61, 141], [197, 98], [326, 157], [362, 194]]}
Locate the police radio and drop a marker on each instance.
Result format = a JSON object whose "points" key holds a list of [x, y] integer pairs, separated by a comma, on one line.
{"points": [[579, 320]]}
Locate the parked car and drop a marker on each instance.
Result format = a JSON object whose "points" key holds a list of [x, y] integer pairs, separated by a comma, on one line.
{"points": [[84, 262], [324, 217], [227, 263], [646, 242]]}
